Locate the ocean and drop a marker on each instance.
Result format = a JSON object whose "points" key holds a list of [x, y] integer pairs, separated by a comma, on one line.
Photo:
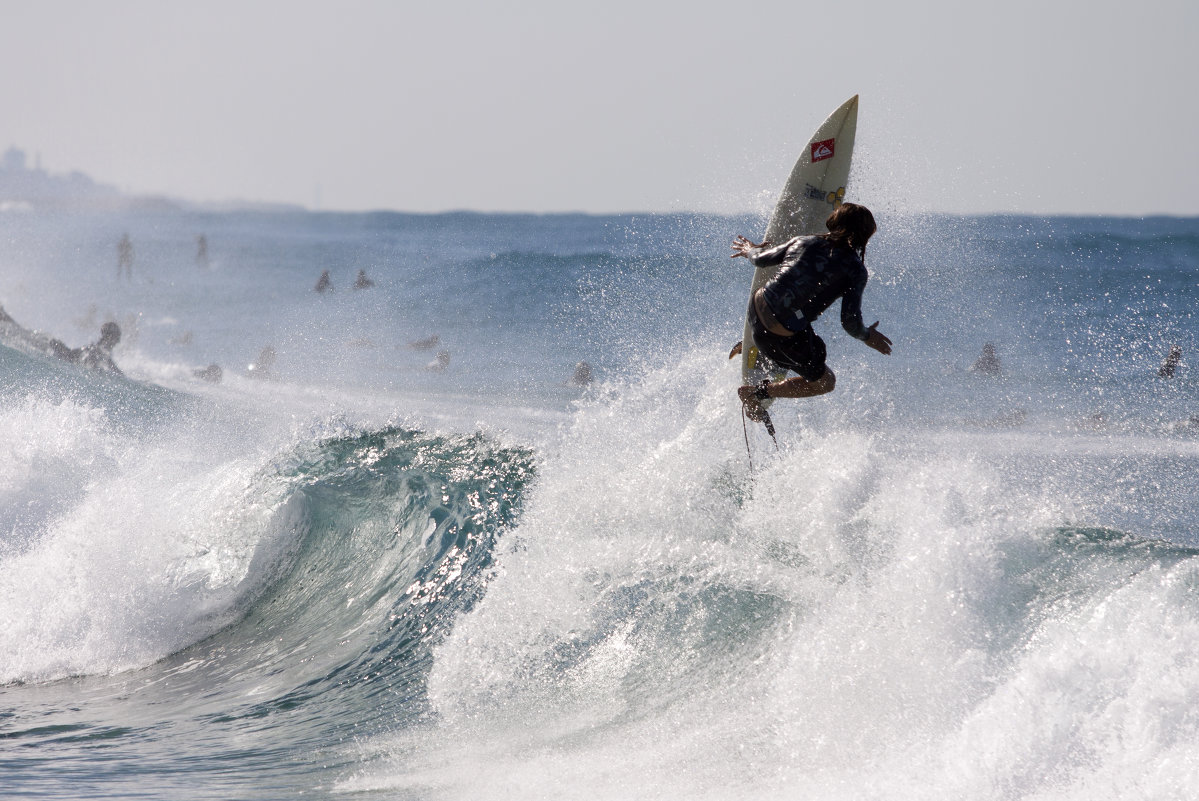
{"points": [[412, 557]]}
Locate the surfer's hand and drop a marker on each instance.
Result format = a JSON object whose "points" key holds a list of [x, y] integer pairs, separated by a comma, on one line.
{"points": [[749, 400], [742, 247], [878, 340]]}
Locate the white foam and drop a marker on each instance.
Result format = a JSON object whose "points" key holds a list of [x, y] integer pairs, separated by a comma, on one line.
{"points": [[875, 634], [156, 541]]}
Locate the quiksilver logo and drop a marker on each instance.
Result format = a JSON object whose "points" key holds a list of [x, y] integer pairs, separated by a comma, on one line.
{"points": [[822, 150]]}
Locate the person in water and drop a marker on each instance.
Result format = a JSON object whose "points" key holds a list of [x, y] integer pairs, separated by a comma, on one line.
{"points": [[262, 368], [96, 356], [428, 343], [582, 375], [324, 283], [814, 272], [125, 258], [212, 373], [988, 362], [1173, 359]]}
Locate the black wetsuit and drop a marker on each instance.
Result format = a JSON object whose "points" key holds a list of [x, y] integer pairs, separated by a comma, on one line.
{"points": [[814, 273]]}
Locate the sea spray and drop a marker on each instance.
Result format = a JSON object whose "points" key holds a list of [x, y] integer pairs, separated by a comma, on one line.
{"points": [[152, 549], [872, 605], [486, 579]]}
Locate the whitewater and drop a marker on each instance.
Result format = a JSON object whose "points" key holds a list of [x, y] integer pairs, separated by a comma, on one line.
{"points": [[374, 575]]}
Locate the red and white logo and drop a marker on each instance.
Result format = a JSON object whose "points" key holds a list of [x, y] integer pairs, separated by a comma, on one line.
{"points": [[822, 150]]}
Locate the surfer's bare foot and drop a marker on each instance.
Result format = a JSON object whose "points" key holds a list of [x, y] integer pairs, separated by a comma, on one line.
{"points": [[749, 399]]}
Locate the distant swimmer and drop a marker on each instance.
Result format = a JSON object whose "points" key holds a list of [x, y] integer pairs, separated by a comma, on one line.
{"points": [[1173, 360], [428, 343], [582, 375], [988, 362], [814, 272], [262, 367], [440, 363], [202, 250], [362, 281], [125, 258], [212, 373], [324, 283]]}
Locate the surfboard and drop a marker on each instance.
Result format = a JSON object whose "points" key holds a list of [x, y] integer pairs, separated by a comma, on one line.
{"points": [[815, 187]]}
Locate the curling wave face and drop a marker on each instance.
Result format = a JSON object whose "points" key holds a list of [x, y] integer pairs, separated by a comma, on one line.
{"points": [[226, 598]]}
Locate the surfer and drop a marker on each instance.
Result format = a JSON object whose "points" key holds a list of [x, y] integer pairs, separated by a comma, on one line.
{"points": [[362, 282], [96, 356], [814, 272]]}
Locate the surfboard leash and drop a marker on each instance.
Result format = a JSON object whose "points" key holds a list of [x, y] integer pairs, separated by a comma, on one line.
{"points": [[766, 421], [745, 430]]}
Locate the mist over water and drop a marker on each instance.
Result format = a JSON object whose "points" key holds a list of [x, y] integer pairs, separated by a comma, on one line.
{"points": [[372, 576]]}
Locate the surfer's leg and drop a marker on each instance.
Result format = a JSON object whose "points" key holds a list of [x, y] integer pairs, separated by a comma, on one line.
{"points": [[800, 387], [795, 387]]}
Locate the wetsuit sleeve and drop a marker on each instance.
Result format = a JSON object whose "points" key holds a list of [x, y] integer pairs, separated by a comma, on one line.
{"points": [[851, 310], [772, 257]]}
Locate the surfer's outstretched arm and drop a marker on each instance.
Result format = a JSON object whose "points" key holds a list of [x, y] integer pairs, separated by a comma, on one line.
{"points": [[743, 246]]}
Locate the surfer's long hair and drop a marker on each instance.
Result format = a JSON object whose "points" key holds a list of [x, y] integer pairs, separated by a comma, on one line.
{"points": [[851, 225]]}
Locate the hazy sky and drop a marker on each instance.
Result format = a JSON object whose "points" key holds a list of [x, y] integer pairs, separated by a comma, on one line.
{"points": [[615, 105]]}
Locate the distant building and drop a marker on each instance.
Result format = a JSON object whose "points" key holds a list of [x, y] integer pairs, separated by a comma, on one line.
{"points": [[21, 187], [14, 160]]}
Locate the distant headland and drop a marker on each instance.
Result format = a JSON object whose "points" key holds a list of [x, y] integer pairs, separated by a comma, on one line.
{"points": [[25, 188]]}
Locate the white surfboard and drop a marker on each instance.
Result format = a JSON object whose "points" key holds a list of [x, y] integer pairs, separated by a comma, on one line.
{"points": [[816, 187]]}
